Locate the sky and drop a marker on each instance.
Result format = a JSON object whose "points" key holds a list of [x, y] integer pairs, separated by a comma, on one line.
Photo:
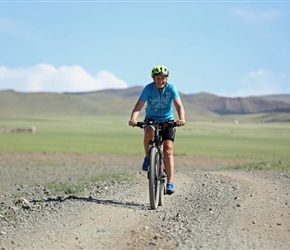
{"points": [[225, 48]]}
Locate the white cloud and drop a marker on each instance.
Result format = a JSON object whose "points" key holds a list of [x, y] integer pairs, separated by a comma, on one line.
{"points": [[256, 16], [45, 77], [262, 82]]}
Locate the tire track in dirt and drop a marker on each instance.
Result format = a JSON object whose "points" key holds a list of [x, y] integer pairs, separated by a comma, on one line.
{"points": [[221, 210], [263, 214]]}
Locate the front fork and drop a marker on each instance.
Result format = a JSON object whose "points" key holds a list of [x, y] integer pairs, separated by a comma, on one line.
{"points": [[161, 165], [162, 174]]}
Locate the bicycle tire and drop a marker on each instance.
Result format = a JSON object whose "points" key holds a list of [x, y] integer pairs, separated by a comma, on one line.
{"points": [[161, 193], [162, 177], [154, 182]]}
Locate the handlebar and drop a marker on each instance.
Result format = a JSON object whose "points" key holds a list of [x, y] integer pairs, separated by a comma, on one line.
{"points": [[156, 123]]}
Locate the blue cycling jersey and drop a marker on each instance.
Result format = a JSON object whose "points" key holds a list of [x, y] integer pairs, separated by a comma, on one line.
{"points": [[159, 104]]}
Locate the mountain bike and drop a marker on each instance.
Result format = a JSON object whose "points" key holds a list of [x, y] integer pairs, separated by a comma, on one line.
{"points": [[156, 170]]}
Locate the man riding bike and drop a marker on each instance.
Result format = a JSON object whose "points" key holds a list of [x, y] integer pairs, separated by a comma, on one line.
{"points": [[160, 96]]}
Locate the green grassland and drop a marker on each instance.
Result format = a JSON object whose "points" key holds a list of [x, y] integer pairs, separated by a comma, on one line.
{"points": [[97, 122], [110, 135]]}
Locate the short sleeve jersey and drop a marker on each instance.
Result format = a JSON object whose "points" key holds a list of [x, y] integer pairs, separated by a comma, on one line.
{"points": [[159, 104]]}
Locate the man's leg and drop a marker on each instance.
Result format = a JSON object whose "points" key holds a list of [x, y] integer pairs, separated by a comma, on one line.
{"points": [[168, 159], [148, 135]]}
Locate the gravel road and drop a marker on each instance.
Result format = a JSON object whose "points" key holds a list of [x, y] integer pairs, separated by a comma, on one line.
{"points": [[211, 209]]}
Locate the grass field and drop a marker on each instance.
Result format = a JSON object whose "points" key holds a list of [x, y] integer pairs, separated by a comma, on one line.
{"points": [[107, 135]]}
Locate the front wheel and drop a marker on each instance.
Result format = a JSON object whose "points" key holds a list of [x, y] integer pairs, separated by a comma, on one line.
{"points": [[154, 183], [161, 192]]}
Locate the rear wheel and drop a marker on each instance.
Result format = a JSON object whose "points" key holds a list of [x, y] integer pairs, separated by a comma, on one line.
{"points": [[154, 183]]}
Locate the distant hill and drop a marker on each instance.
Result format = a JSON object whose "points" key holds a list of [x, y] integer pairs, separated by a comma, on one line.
{"points": [[119, 102], [246, 105]]}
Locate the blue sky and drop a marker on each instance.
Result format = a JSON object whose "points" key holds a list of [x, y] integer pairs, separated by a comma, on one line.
{"points": [[227, 48]]}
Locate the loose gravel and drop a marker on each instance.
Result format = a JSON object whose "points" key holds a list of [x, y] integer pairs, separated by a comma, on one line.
{"points": [[211, 209]]}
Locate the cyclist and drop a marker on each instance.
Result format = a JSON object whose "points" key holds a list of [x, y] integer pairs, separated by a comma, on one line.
{"points": [[160, 96]]}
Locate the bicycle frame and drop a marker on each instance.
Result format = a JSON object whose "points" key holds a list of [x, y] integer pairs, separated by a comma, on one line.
{"points": [[156, 170], [158, 143]]}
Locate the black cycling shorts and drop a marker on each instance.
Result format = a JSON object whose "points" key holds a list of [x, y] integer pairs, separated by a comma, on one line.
{"points": [[168, 133]]}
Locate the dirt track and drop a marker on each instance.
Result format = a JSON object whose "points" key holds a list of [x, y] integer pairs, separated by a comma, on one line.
{"points": [[211, 209]]}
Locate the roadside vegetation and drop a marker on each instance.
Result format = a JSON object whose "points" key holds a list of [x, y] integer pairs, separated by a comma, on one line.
{"points": [[266, 144], [59, 188], [282, 166], [85, 184]]}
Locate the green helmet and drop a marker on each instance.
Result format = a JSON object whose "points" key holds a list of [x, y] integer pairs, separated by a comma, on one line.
{"points": [[159, 70]]}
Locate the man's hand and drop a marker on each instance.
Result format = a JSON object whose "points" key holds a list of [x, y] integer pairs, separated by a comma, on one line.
{"points": [[132, 123], [180, 123]]}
